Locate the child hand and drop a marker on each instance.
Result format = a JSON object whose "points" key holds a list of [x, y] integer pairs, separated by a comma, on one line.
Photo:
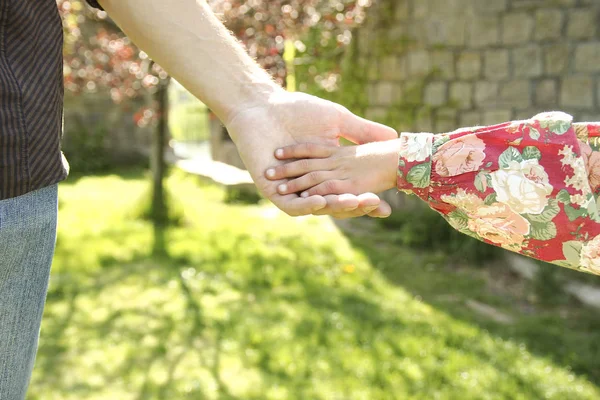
{"points": [[326, 169]]}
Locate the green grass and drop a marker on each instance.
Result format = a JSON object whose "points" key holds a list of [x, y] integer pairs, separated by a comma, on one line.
{"points": [[251, 304]]}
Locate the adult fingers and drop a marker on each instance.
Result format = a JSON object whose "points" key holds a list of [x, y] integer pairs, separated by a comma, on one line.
{"points": [[362, 205], [338, 204], [384, 210], [360, 130], [295, 206]]}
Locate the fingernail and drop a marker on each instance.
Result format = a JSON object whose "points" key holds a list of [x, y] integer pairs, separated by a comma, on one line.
{"points": [[279, 153], [282, 188], [304, 194], [270, 173]]}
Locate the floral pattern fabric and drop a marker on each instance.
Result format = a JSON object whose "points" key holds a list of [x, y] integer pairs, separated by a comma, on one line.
{"points": [[532, 187]]}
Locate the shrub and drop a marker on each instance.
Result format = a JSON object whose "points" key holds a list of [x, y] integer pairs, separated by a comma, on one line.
{"points": [[426, 229]]}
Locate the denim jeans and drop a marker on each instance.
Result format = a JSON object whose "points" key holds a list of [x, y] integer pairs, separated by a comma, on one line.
{"points": [[27, 239]]}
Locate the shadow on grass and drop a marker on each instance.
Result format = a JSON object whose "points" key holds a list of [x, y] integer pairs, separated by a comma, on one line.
{"points": [[239, 316], [566, 332], [137, 361]]}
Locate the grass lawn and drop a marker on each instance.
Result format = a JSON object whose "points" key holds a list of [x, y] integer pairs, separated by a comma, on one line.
{"points": [[252, 304]]}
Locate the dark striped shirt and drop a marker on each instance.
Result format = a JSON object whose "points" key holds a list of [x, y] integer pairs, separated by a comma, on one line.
{"points": [[31, 96]]}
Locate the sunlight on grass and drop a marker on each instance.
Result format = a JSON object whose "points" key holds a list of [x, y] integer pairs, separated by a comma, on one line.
{"points": [[252, 304]]}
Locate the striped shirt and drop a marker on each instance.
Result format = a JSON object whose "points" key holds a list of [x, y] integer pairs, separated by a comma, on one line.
{"points": [[31, 96]]}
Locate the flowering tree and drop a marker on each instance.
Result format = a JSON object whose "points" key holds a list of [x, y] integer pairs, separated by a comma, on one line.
{"points": [[100, 58]]}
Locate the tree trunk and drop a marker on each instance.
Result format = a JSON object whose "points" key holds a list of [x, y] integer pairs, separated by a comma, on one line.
{"points": [[157, 159]]}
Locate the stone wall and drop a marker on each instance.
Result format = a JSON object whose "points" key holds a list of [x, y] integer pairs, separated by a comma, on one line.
{"points": [[436, 65]]}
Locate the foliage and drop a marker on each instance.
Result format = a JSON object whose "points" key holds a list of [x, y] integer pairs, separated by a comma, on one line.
{"points": [[251, 304], [264, 26], [98, 55], [85, 150], [423, 228]]}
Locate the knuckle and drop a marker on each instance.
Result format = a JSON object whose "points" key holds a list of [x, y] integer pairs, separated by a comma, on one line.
{"points": [[281, 170], [303, 165], [311, 148], [313, 177], [331, 186]]}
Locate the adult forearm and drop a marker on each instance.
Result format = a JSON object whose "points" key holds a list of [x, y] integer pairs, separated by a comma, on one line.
{"points": [[189, 41]]}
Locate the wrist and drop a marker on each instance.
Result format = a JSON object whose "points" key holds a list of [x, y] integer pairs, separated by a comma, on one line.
{"points": [[384, 156], [252, 98], [390, 163]]}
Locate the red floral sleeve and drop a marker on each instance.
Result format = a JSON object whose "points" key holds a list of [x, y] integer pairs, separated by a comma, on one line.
{"points": [[531, 186]]}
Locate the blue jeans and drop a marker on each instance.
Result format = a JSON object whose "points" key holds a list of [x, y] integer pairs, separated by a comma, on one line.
{"points": [[27, 239]]}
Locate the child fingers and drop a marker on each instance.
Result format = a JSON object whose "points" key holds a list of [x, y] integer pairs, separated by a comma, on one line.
{"points": [[304, 150], [295, 169], [304, 182]]}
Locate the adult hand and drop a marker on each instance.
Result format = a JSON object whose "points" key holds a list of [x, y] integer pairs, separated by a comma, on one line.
{"points": [[291, 118]]}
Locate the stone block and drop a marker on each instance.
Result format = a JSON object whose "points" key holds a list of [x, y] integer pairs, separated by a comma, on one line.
{"points": [[424, 120], [446, 120], [373, 71], [412, 92], [435, 94], [582, 23], [556, 58], [515, 94], [490, 6], [421, 9], [468, 65], [546, 93], [387, 94], [536, 4], [527, 62], [418, 32], [486, 94], [377, 114], [483, 31], [548, 23], [577, 92], [393, 68], [419, 63], [587, 57], [397, 33], [527, 113], [527, 4], [470, 119], [456, 31], [442, 62], [517, 28], [372, 93], [589, 117], [365, 41], [461, 94], [441, 30], [493, 117], [402, 10], [568, 3], [496, 64]]}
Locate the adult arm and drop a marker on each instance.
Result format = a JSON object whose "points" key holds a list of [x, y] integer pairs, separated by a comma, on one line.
{"points": [[189, 41]]}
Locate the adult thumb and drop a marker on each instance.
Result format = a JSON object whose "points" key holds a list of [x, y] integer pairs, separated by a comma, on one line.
{"points": [[359, 130]]}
